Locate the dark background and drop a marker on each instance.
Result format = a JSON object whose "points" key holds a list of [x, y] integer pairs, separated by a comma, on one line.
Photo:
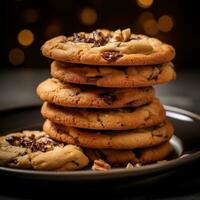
{"points": [[23, 67], [46, 19]]}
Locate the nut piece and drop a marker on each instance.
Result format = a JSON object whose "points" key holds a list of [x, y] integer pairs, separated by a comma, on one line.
{"points": [[117, 36], [137, 165], [100, 165], [129, 166], [126, 34]]}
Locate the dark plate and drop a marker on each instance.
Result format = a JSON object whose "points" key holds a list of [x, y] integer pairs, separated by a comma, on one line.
{"points": [[185, 143]]}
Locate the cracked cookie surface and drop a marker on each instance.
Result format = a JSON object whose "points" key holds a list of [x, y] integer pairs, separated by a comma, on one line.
{"points": [[104, 47], [123, 157], [131, 139], [70, 95], [115, 119], [121, 77], [36, 150]]}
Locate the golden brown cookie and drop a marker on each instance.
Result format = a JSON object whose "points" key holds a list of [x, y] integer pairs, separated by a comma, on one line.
{"points": [[123, 157], [121, 77], [36, 150], [70, 95], [115, 119], [137, 138], [104, 47]]}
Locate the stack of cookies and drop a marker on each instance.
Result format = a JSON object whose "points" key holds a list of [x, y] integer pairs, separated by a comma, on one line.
{"points": [[100, 96]]}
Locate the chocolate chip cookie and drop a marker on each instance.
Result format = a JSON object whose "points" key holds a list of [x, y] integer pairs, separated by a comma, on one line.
{"points": [[104, 47], [36, 150], [131, 139], [120, 77], [116, 119], [70, 95], [123, 157]]}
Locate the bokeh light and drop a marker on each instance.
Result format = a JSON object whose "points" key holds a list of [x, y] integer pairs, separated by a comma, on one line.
{"points": [[151, 27], [30, 16], [16, 56], [88, 16], [144, 3], [54, 28], [144, 16], [25, 37], [165, 23]]}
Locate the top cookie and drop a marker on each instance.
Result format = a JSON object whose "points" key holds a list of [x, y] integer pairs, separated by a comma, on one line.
{"points": [[104, 47]]}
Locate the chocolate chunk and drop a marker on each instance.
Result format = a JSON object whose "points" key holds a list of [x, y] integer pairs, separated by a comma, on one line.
{"points": [[14, 140], [78, 38], [96, 37], [111, 56], [99, 39], [41, 144], [154, 73], [108, 97]]}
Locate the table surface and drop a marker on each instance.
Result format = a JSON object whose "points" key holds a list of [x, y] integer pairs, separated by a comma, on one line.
{"points": [[18, 89]]}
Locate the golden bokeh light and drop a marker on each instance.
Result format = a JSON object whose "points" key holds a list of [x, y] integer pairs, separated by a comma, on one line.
{"points": [[16, 56], [30, 16], [54, 28], [88, 16], [165, 23], [144, 3], [151, 27], [25, 37], [144, 16]]}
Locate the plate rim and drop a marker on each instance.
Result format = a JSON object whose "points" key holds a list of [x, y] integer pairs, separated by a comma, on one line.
{"points": [[116, 171]]}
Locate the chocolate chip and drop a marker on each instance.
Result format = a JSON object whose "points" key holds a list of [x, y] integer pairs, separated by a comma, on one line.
{"points": [[136, 38], [108, 97], [111, 56]]}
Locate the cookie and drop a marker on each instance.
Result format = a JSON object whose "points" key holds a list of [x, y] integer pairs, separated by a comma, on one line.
{"points": [[123, 157], [115, 119], [69, 95], [104, 47], [131, 139], [121, 77], [36, 150]]}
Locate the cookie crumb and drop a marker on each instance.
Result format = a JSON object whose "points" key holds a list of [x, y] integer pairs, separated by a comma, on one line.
{"points": [[100, 165]]}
